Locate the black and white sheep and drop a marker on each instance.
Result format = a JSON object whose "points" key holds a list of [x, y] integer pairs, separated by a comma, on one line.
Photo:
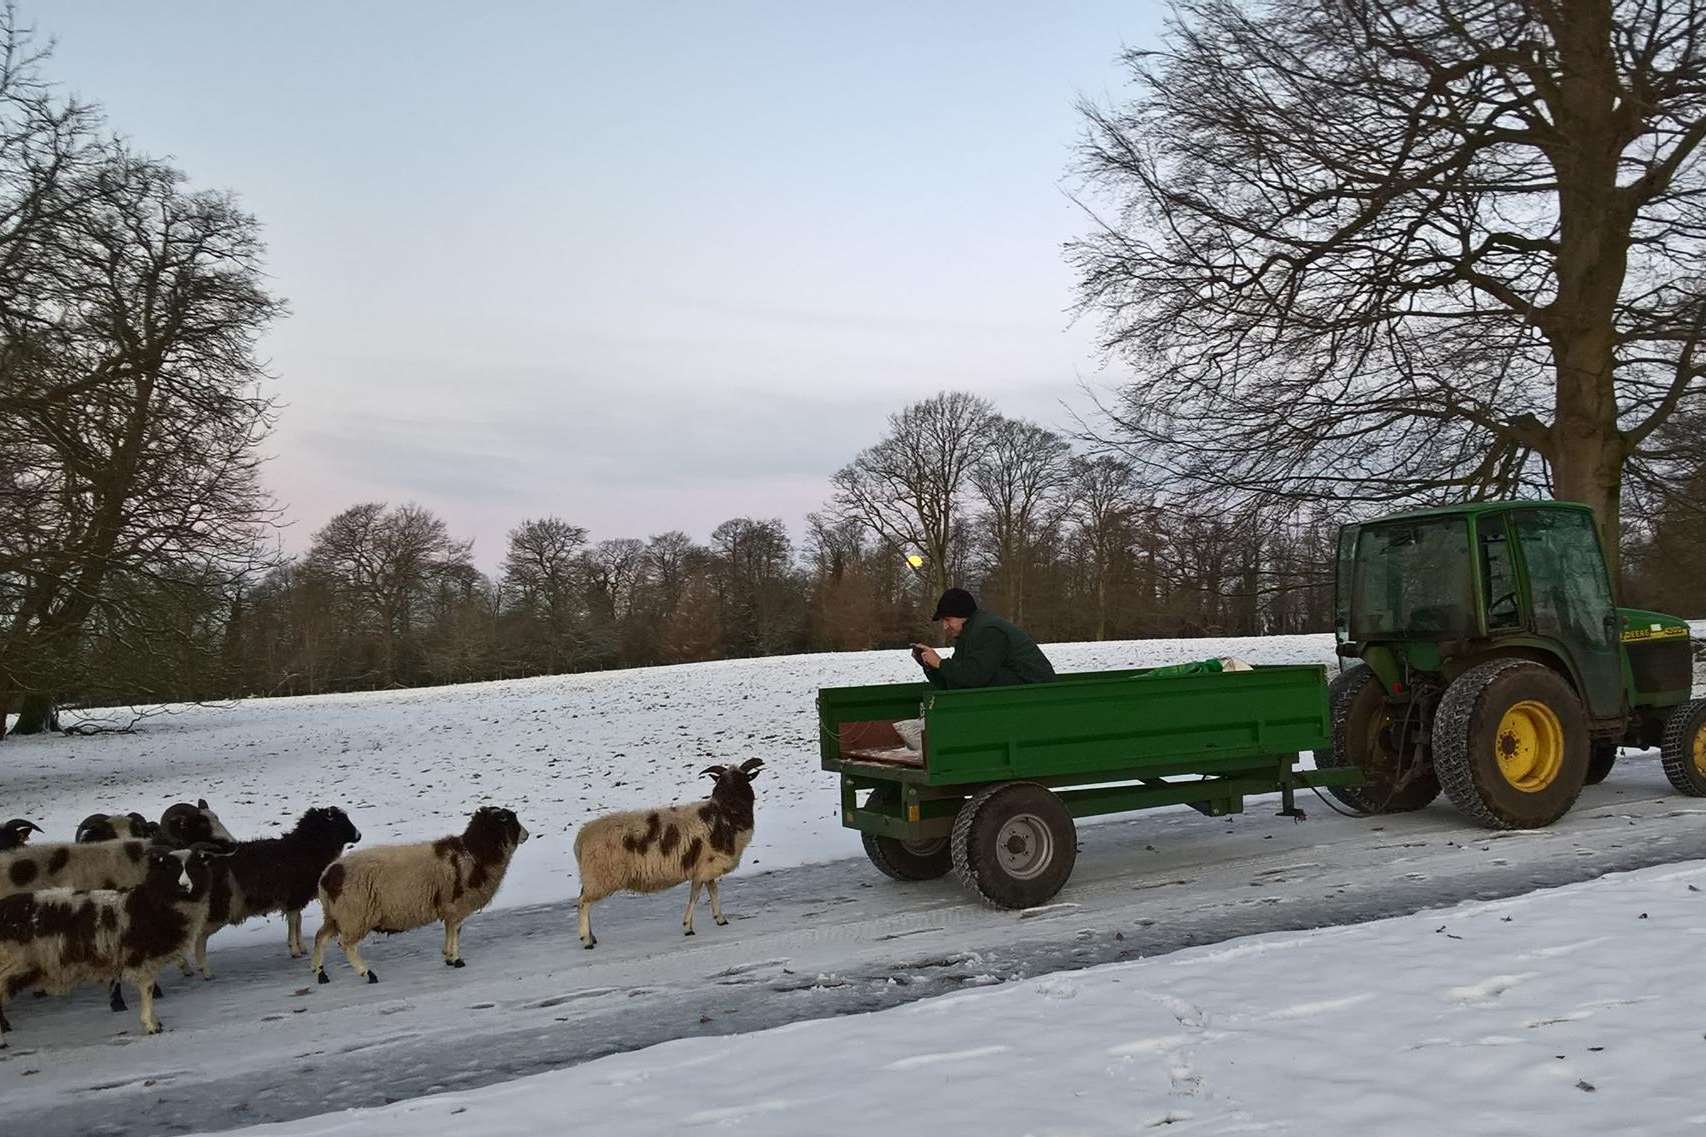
{"points": [[115, 827], [15, 834], [275, 874], [57, 939], [651, 850], [394, 888], [108, 864]]}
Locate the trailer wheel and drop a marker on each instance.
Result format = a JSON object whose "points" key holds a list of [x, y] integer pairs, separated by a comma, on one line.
{"points": [[1511, 744], [906, 860], [1362, 737], [1600, 761], [1014, 844], [1683, 750]]}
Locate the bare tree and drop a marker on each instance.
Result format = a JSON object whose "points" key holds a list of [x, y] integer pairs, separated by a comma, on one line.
{"points": [[1399, 249], [129, 313], [1103, 505], [542, 578], [1024, 478], [909, 489]]}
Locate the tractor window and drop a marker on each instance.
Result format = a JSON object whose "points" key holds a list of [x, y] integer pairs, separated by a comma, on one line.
{"points": [[1342, 574], [1566, 575], [1498, 576], [1412, 578]]}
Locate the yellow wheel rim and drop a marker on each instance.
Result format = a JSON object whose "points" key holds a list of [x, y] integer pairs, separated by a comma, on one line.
{"points": [[1530, 746], [1699, 751]]}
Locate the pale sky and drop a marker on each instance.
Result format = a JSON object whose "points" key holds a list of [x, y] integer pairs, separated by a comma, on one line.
{"points": [[644, 266]]}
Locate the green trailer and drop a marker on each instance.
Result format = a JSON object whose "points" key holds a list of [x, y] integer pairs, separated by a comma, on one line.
{"points": [[1004, 771]]}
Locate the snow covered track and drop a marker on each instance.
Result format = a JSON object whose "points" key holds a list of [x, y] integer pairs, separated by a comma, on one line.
{"points": [[263, 1043]]}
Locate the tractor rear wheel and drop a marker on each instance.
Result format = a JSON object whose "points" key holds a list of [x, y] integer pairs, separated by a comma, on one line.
{"points": [[1601, 759], [1684, 748], [1511, 744], [1014, 844], [905, 860], [1363, 737]]}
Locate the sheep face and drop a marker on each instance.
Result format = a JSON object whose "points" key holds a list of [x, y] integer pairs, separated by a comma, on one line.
{"points": [[330, 823], [493, 827], [186, 825], [180, 873]]}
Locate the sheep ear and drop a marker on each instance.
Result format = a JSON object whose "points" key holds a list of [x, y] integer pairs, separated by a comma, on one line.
{"points": [[201, 803], [712, 771]]}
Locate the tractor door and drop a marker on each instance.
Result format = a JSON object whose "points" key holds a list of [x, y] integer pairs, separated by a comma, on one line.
{"points": [[1571, 599]]}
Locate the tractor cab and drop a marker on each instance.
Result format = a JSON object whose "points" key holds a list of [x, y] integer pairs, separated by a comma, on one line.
{"points": [[1447, 608]]}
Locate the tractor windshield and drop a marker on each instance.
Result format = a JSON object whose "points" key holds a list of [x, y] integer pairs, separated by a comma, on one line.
{"points": [[1412, 578]]}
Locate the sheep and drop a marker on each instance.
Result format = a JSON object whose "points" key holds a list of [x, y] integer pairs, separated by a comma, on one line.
{"points": [[651, 850], [58, 938], [276, 874], [15, 834], [115, 827], [394, 888], [108, 864]]}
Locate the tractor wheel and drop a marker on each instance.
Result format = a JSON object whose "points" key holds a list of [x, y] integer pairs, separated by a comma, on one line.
{"points": [[1684, 748], [1601, 759], [1362, 737], [906, 860], [1014, 844], [1511, 744]]}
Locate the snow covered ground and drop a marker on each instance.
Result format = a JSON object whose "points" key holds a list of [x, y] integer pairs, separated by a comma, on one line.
{"points": [[816, 932], [1574, 1010], [558, 750]]}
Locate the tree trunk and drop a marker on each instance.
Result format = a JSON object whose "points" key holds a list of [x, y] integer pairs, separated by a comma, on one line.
{"points": [[36, 715]]}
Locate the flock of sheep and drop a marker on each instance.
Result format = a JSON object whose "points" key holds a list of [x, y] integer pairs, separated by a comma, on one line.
{"points": [[127, 897]]}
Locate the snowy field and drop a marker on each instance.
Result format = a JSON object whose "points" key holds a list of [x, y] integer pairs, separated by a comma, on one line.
{"points": [[1569, 1011], [558, 750]]}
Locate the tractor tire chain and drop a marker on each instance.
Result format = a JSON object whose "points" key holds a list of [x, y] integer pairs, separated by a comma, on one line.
{"points": [[960, 842], [1453, 763], [1674, 751]]}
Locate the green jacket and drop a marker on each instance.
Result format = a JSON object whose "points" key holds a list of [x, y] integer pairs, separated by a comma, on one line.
{"points": [[991, 652]]}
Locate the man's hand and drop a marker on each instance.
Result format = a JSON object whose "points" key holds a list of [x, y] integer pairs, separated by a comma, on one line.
{"points": [[926, 655]]}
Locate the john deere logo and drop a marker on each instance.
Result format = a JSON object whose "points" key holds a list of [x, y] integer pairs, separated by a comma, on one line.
{"points": [[1655, 632]]}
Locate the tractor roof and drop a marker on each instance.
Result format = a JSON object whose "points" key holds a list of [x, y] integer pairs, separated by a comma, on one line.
{"points": [[1470, 508]]}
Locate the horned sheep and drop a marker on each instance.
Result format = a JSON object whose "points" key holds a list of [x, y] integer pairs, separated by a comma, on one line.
{"points": [[394, 888], [55, 939], [15, 834], [108, 864], [115, 827], [651, 850]]}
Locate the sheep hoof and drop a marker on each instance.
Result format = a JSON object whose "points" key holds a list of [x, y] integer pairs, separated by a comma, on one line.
{"points": [[722, 923], [373, 976], [589, 946], [323, 977], [457, 963], [155, 1029], [687, 932]]}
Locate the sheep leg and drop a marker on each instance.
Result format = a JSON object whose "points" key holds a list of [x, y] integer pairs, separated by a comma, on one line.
{"points": [[350, 945], [453, 943], [150, 1024], [716, 904], [115, 998], [692, 899], [184, 965], [318, 963], [588, 940], [201, 955], [293, 934]]}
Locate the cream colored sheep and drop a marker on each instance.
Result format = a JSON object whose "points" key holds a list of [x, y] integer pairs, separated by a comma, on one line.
{"points": [[394, 888], [651, 850]]}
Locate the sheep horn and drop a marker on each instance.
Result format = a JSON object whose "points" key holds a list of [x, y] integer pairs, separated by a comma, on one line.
{"points": [[751, 764], [18, 824], [712, 771]]}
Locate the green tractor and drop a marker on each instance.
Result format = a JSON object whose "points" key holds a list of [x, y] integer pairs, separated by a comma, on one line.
{"points": [[1493, 663]]}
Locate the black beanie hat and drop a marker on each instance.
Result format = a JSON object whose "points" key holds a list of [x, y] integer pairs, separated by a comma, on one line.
{"points": [[955, 602]]}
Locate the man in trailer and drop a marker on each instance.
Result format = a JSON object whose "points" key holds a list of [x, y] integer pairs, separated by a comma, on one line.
{"points": [[988, 652]]}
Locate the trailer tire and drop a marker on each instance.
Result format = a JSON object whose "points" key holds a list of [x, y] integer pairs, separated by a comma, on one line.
{"points": [[1600, 761], [1358, 707], [906, 860], [1511, 744], [1014, 844], [1683, 750]]}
